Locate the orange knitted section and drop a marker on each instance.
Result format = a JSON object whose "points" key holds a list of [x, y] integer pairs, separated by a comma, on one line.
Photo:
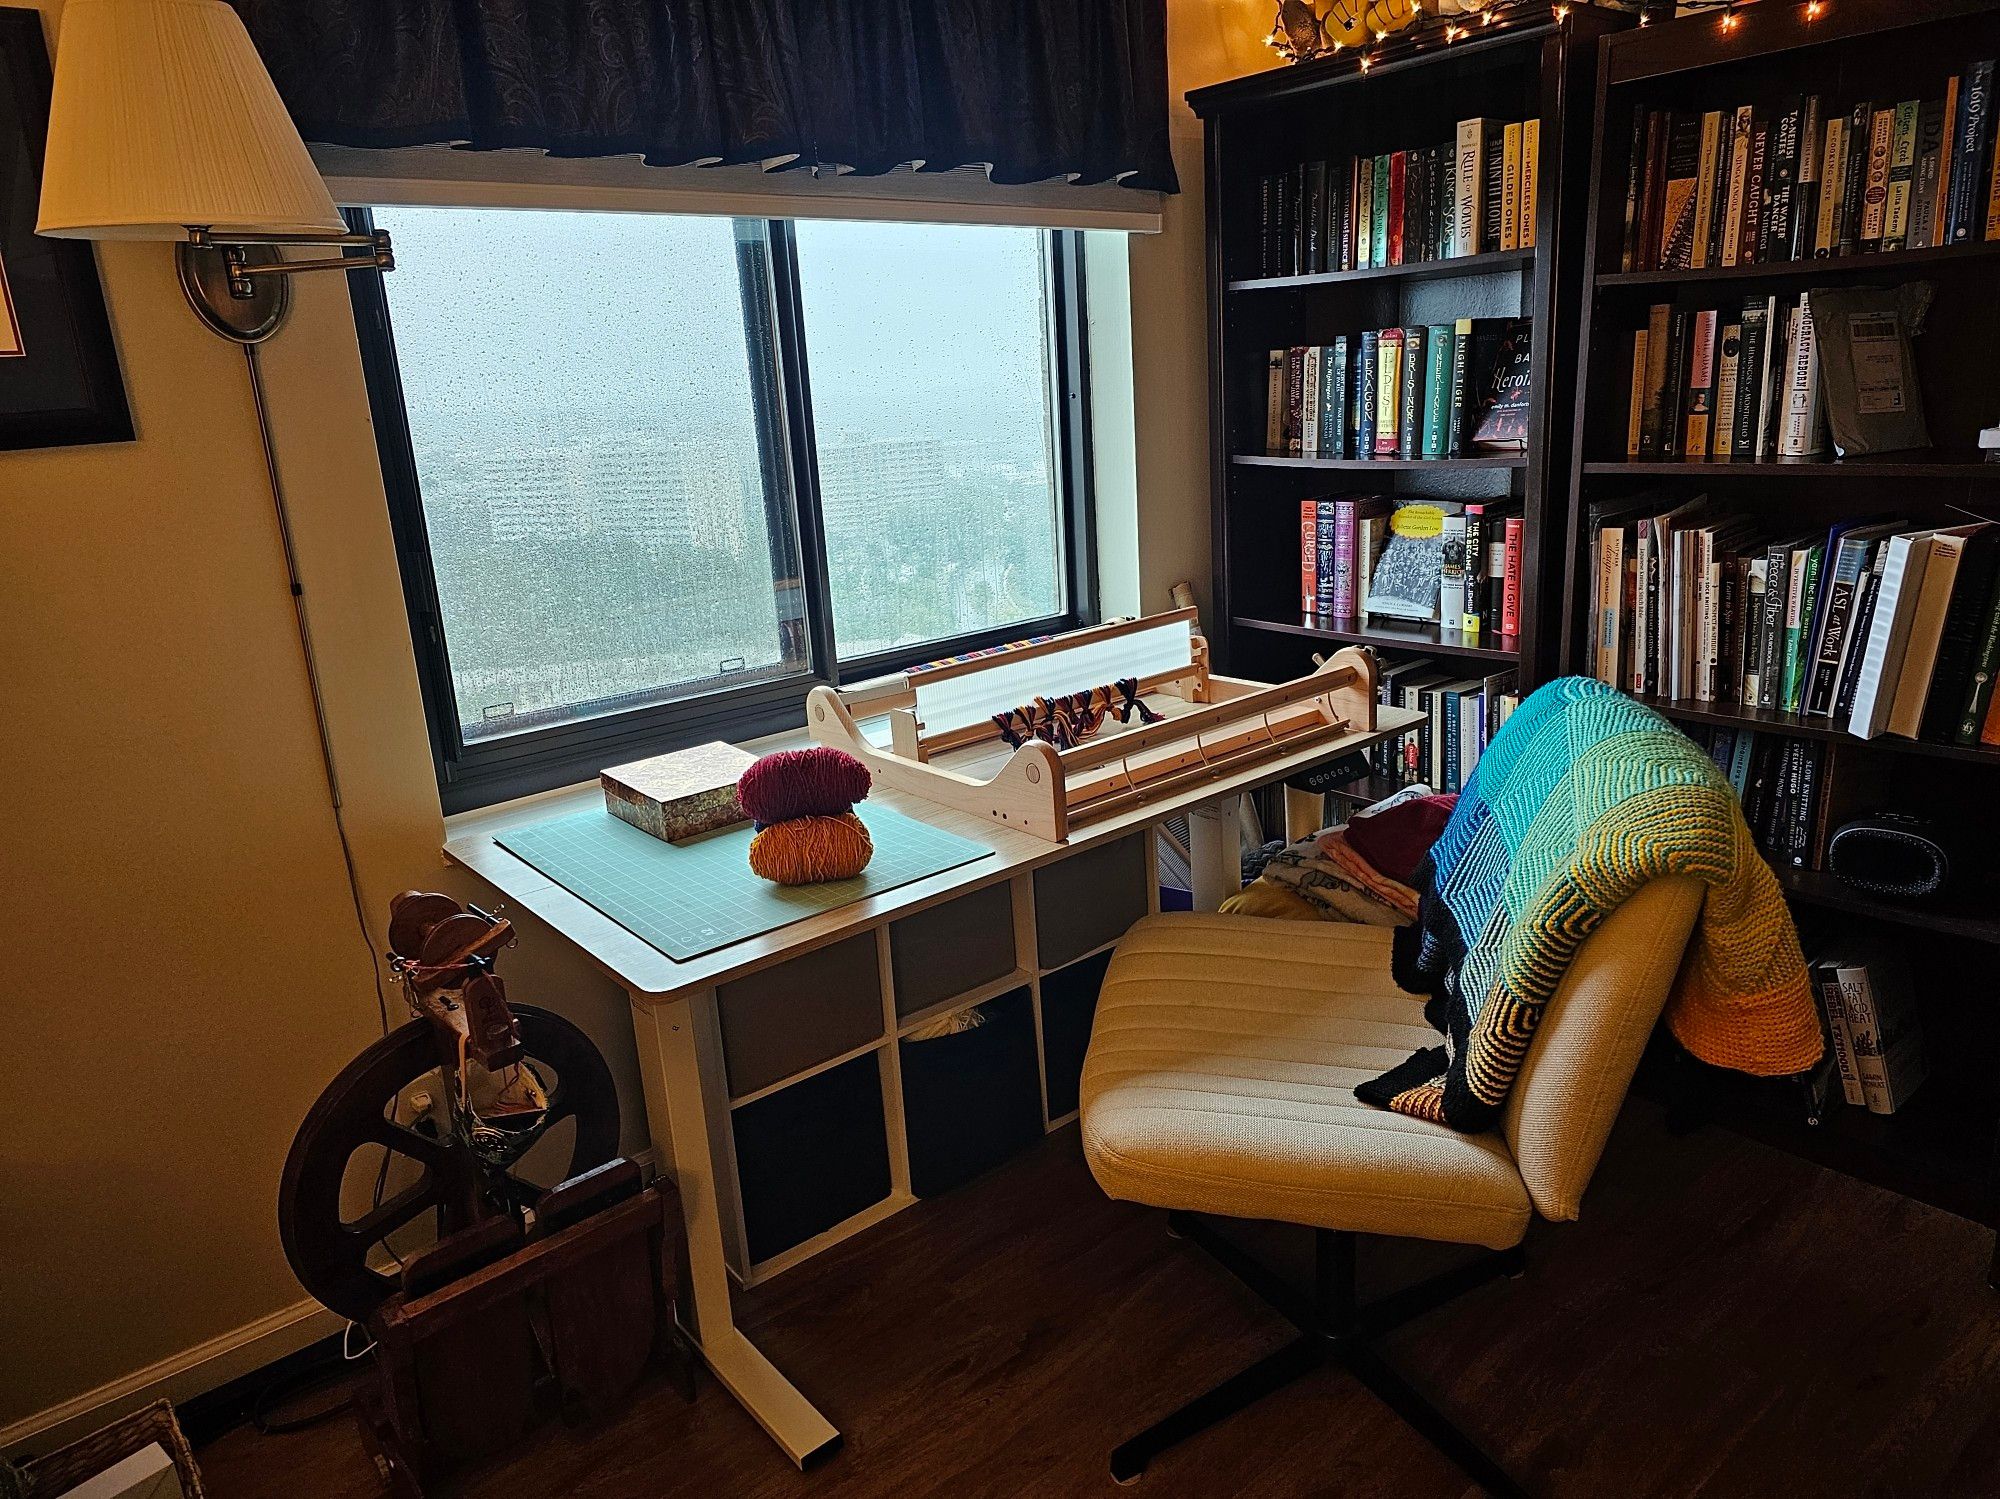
{"points": [[807, 850]]}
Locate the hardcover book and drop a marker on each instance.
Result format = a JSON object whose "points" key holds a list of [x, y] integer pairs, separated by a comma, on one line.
{"points": [[1780, 182], [1875, 189], [1510, 187], [1367, 375], [1677, 207], [1410, 397], [1739, 186], [1531, 169], [1504, 424], [1388, 390], [1405, 581], [1833, 171], [1972, 144], [1902, 176], [1439, 356]]}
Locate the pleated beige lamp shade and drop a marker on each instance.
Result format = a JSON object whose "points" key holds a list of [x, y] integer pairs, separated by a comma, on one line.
{"points": [[164, 118]]}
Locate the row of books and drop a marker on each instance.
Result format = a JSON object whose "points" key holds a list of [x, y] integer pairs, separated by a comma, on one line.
{"points": [[1880, 626], [1436, 390], [1471, 195], [1875, 1043], [1757, 183], [1452, 563], [1461, 715], [1742, 384], [1781, 781]]}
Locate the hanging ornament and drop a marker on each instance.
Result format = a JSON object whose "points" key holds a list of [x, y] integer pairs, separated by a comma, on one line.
{"points": [[1346, 22], [1386, 16], [1297, 32]]}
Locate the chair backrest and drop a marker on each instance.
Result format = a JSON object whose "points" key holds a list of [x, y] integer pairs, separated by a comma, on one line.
{"points": [[1586, 1049]]}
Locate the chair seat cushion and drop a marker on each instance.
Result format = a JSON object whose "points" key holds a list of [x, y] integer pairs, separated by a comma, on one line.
{"points": [[1221, 1074]]}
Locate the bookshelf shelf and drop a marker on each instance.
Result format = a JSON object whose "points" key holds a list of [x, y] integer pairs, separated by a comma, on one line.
{"points": [[1278, 125], [1940, 1146], [1817, 888], [1934, 1149], [1402, 465], [1976, 255], [1421, 637], [1421, 270], [1731, 716], [1961, 466]]}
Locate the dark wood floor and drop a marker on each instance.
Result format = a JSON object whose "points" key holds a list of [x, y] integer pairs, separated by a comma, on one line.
{"points": [[1724, 1321]]}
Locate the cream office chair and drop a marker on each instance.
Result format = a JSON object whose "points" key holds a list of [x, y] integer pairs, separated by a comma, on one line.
{"points": [[1220, 1081]]}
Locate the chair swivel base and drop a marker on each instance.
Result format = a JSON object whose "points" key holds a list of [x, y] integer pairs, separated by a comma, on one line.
{"points": [[1336, 1331]]}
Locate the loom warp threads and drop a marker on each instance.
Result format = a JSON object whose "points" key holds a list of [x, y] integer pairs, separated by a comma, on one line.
{"points": [[1070, 719]]}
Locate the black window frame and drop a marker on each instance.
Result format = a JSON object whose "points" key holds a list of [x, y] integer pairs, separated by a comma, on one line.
{"points": [[481, 773]]}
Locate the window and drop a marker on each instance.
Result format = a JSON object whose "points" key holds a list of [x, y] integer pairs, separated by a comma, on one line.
{"points": [[653, 475], [934, 419]]}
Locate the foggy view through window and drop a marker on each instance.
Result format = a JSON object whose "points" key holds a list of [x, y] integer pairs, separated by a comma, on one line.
{"points": [[579, 403], [578, 389], [927, 350]]}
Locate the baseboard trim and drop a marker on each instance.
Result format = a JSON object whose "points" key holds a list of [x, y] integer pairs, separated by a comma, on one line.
{"points": [[193, 1371], [181, 1376]]}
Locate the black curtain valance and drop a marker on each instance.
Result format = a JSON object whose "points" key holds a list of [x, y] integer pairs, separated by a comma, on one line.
{"points": [[1037, 88]]}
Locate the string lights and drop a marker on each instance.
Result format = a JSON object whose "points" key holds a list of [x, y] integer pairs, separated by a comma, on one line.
{"points": [[1303, 30]]}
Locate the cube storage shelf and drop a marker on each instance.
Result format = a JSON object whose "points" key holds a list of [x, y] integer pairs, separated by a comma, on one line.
{"points": [[837, 1115]]}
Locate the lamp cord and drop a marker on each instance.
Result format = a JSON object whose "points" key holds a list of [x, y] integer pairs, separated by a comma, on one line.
{"points": [[298, 591]]}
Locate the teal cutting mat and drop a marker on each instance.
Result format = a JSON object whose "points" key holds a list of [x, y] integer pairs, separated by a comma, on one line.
{"points": [[690, 898]]}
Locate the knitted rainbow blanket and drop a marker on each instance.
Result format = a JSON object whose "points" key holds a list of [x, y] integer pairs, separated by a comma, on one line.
{"points": [[1581, 799]]}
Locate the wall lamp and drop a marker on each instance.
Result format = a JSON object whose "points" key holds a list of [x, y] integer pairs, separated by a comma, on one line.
{"points": [[164, 125]]}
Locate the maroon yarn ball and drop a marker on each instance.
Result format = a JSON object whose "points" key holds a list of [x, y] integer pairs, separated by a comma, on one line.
{"points": [[817, 782]]}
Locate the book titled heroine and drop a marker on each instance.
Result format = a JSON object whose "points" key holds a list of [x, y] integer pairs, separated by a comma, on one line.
{"points": [[1504, 424]]}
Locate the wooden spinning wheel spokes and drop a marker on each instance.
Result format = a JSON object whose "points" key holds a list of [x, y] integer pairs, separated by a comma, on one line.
{"points": [[331, 1255]]}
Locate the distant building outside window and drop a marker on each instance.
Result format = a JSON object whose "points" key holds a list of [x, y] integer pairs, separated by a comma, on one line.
{"points": [[653, 475]]}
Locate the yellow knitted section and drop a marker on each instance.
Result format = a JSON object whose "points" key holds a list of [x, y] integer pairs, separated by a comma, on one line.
{"points": [[807, 850]]}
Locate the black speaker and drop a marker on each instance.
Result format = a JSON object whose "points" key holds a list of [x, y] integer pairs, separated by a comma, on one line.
{"points": [[1891, 854]]}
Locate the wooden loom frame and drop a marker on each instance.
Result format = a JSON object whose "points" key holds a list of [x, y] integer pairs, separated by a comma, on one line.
{"points": [[1231, 724]]}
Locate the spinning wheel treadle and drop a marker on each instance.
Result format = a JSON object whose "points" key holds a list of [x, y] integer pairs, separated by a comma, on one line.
{"points": [[329, 1255]]}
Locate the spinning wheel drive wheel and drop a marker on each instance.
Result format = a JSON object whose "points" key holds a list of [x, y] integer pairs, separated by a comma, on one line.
{"points": [[338, 1258]]}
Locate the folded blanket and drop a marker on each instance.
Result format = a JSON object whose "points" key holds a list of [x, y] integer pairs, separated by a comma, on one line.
{"points": [[1341, 885], [1582, 798]]}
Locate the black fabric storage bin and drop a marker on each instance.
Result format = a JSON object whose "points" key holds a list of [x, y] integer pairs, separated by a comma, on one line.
{"points": [[811, 1155], [1069, 1004], [970, 1100]]}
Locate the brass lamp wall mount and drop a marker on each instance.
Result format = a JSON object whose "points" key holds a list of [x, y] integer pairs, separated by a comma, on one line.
{"points": [[164, 125], [239, 284]]}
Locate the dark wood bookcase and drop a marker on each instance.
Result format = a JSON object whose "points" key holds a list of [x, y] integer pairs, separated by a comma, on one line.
{"points": [[1413, 92], [1940, 1147]]}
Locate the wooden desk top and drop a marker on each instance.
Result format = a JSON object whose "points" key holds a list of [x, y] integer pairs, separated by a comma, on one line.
{"points": [[650, 974]]}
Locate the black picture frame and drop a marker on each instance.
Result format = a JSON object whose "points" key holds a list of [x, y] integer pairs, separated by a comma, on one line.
{"points": [[59, 377]]}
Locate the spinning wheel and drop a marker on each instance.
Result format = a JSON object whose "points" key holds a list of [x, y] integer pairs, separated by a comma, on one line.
{"points": [[359, 1111]]}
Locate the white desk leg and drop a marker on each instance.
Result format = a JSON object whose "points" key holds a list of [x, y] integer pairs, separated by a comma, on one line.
{"points": [[1214, 852], [679, 1127]]}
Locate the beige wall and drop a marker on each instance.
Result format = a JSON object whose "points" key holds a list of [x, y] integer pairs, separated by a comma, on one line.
{"points": [[182, 966], [1208, 40]]}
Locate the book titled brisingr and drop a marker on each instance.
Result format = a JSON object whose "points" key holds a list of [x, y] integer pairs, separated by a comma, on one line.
{"points": [[1474, 194], [1794, 179], [1436, 390]]}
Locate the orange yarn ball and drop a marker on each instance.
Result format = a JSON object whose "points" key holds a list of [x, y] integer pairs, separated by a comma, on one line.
{"points": [[807, 850]]}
